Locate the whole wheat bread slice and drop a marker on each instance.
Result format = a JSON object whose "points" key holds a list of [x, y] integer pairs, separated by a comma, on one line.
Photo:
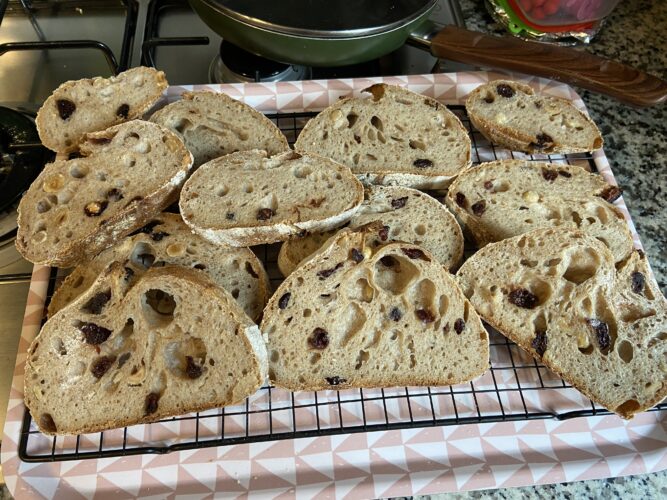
{"points": [[77, 208], [78, 107], [167, 240], [359, 316], [556, 293], [501, 199], [405, 214], [511, 115], [212, 124], [166, 343], [397, 137], [247, 198]]}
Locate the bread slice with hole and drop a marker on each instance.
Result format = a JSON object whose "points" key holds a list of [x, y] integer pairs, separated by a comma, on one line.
{"points": [[405, 215], [166, 240], [556, 293], [395, 137], [248, 198], [212, 124], [505, 198], [78, 107], [511, 115], [77, 208], [361, 316], [134, 349]]}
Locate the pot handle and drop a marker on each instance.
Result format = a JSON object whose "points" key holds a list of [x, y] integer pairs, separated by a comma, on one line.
{"points": [[574, 67]]}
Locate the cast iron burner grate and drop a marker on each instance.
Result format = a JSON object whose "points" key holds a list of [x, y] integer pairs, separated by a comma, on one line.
{"points": [[516, 388]]}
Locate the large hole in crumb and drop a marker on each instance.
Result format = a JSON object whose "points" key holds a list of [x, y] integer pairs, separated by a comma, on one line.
{"points": [[394, 273], [176, 356], [582, 265], [142, 255], [423, 295], [361, 291], [350, 322], [158, 307], [625, 351]]}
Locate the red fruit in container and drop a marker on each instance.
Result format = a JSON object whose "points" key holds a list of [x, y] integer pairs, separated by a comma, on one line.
{"points": [[526, 5], [537, 13], [538, 3], [551, 7]]}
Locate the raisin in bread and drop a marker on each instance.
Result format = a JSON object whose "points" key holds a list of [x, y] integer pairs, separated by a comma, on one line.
{"points": [[396, 137], [213, 124], [501, 199], [167, 240], [135, 349], [89, 105], [405, 214], [77, 208], [360, 316], [247, 198], [511, 115], [557, 294]]}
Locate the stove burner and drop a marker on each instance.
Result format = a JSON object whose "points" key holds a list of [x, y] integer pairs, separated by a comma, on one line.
{"points": [[235, 65]]}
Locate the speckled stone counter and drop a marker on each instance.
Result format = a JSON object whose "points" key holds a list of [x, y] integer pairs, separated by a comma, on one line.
{"points": [[636, 145], [635, 138]]}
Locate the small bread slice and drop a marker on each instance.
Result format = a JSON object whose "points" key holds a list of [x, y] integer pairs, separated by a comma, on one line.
{"points": [[247, 198], [556, 293], [212, 124], [405, 215], [358, 316], [77, 208], [511, 115], [397, 137], [167, 240], [78, 107], [165, 343], [501, 199]]}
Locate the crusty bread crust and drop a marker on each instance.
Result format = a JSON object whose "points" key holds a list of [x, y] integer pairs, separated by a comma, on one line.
{"points": [[97, 104], [60, 340], [115, 222], [520, 120], [425, 150], [557, 294]]}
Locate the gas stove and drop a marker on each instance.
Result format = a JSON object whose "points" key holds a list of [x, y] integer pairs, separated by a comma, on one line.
{"points": [[44, 43]]}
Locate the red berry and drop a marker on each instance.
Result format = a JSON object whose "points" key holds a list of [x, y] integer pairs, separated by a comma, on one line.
{"points": [[538, 3], [551, 7], [526, 5], [537, 13]]}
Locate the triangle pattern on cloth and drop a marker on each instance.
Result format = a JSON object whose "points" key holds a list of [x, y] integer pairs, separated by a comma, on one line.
{"points": [[263, 479], [309, 473]]}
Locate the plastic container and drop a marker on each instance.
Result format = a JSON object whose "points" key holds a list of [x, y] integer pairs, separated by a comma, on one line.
{"points": [[560, 15]]}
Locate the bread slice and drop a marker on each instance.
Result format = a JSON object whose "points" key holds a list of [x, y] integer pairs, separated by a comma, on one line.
{"points": [[501, 199], [213, 124], [358, 316], [511, 115], [89, 105], [167, 240], [77, 208], [396, 137], [556, 293], [247, 198], [405, 215], [165, 343]]}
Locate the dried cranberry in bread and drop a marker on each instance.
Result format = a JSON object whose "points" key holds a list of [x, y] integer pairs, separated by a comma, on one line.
{"points": [[511, 115], [77, 208], [135, 349], [166, 239], [78, 107], [405, 214], [212, 124], [557, 294], [361, 316], [505, 198], [397, 137]]}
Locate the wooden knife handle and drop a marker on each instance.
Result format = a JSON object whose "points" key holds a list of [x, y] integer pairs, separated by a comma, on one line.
{"points": [[564, 64]]}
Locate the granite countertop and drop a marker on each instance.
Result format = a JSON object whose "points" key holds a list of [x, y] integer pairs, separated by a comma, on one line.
{"points": [[635, 143]]}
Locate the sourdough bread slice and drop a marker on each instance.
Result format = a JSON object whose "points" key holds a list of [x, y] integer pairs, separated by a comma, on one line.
{"points": [[396, 137], [165, 343], [167, 240], [556, 293], [212, 124], [404, 214], [247, 198], [77, 208], [359, 316], [501, 199], [89, 105], [511, 115]]}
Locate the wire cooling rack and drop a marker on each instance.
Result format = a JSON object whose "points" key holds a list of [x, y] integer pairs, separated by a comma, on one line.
{"points": [[515, 388]]}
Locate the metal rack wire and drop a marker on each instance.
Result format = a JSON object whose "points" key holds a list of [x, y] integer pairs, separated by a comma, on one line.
{"points": [[516, 387]]}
